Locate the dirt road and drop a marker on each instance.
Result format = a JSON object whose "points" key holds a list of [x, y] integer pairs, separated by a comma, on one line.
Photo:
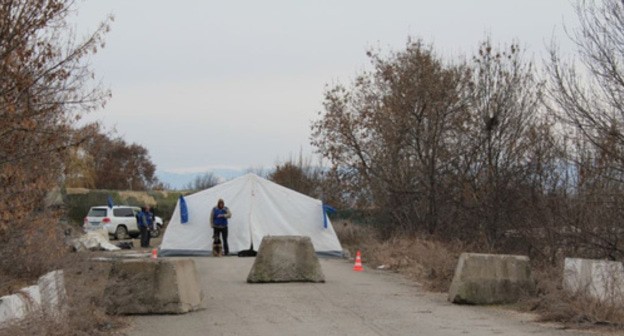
{"points": [[349, 303]]}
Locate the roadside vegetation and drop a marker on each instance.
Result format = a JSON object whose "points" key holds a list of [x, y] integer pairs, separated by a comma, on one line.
{"points": [[493, 153], [46, 86], [426, 156], [428, 262], [431, 263]]}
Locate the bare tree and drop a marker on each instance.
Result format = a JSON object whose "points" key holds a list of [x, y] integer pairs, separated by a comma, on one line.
{"points": [[204, 181], [386, 137], [299, 175], [79, 169], [587, 95], [44, 88], [114, 163], [591, 98], [499, 134], [258, 170]]}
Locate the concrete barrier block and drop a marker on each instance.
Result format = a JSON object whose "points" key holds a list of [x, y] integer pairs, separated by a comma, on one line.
{"points": [[490, 279], [12, 308], [53, 294], [600, 279], [18, 306], [48, 298], [286, 259], [153, 287]]}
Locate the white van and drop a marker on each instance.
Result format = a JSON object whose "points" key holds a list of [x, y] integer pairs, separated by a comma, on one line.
{"points": [[119, 221]]}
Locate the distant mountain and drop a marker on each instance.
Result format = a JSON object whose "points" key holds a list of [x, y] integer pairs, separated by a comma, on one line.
{"points": [[179, 181]]}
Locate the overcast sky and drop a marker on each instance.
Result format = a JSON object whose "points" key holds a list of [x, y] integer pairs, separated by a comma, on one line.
{"points": [[213, 84]]}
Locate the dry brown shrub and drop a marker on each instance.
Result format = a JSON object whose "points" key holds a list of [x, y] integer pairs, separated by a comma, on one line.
{"points": [[35, 246], [355, 237], [85, 281], [429, 262], [554, 304], [141, 196]]}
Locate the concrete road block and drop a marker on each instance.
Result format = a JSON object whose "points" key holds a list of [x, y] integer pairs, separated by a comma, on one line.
{"points": [[286, 259], [490, 279], [53, 295], [46, 299], [21, 305], [600, 279], [153, 287]]}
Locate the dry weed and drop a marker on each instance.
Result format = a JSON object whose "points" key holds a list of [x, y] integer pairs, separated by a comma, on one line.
{"points": [[554, 304], [85, 281], [429, 262], [32, 249], [355, 237]]}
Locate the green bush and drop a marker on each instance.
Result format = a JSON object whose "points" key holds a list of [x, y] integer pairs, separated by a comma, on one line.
{"points": [[78, 204], [165, 203]]}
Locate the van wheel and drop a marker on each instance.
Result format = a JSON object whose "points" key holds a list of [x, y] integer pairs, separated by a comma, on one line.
{"points": [[121, 232], [156, 232]]}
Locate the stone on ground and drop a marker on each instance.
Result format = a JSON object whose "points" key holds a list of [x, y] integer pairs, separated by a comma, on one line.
{"points": [[160, 286], [490, 279], [286, 259]]}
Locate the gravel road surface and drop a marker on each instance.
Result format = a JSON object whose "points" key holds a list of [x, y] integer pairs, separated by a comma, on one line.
{"points": [[349, 303]]}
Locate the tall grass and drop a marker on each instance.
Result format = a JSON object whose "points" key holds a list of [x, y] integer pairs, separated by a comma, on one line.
{"points": [[573, 309], [428, 262]]}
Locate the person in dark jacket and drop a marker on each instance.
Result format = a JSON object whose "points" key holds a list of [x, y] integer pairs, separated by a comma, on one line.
{"points": [[219, 222], [144, 222]]}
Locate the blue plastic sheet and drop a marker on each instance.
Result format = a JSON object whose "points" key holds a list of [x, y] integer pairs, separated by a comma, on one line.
{"points": [[184, 216], [326, 209]]}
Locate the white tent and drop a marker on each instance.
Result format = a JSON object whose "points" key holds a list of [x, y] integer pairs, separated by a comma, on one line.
{"points": [[259, 208]]}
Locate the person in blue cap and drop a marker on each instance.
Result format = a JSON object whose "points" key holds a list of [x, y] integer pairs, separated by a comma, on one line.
{"points": [[219, 222]]}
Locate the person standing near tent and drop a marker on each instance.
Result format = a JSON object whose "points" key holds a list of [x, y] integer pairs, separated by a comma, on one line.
{"points": [[151, 222], [219, 222], [144, 222]]}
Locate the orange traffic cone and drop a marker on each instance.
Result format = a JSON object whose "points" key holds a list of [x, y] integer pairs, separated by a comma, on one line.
{"points": [[358, 262], [154, 254]]}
